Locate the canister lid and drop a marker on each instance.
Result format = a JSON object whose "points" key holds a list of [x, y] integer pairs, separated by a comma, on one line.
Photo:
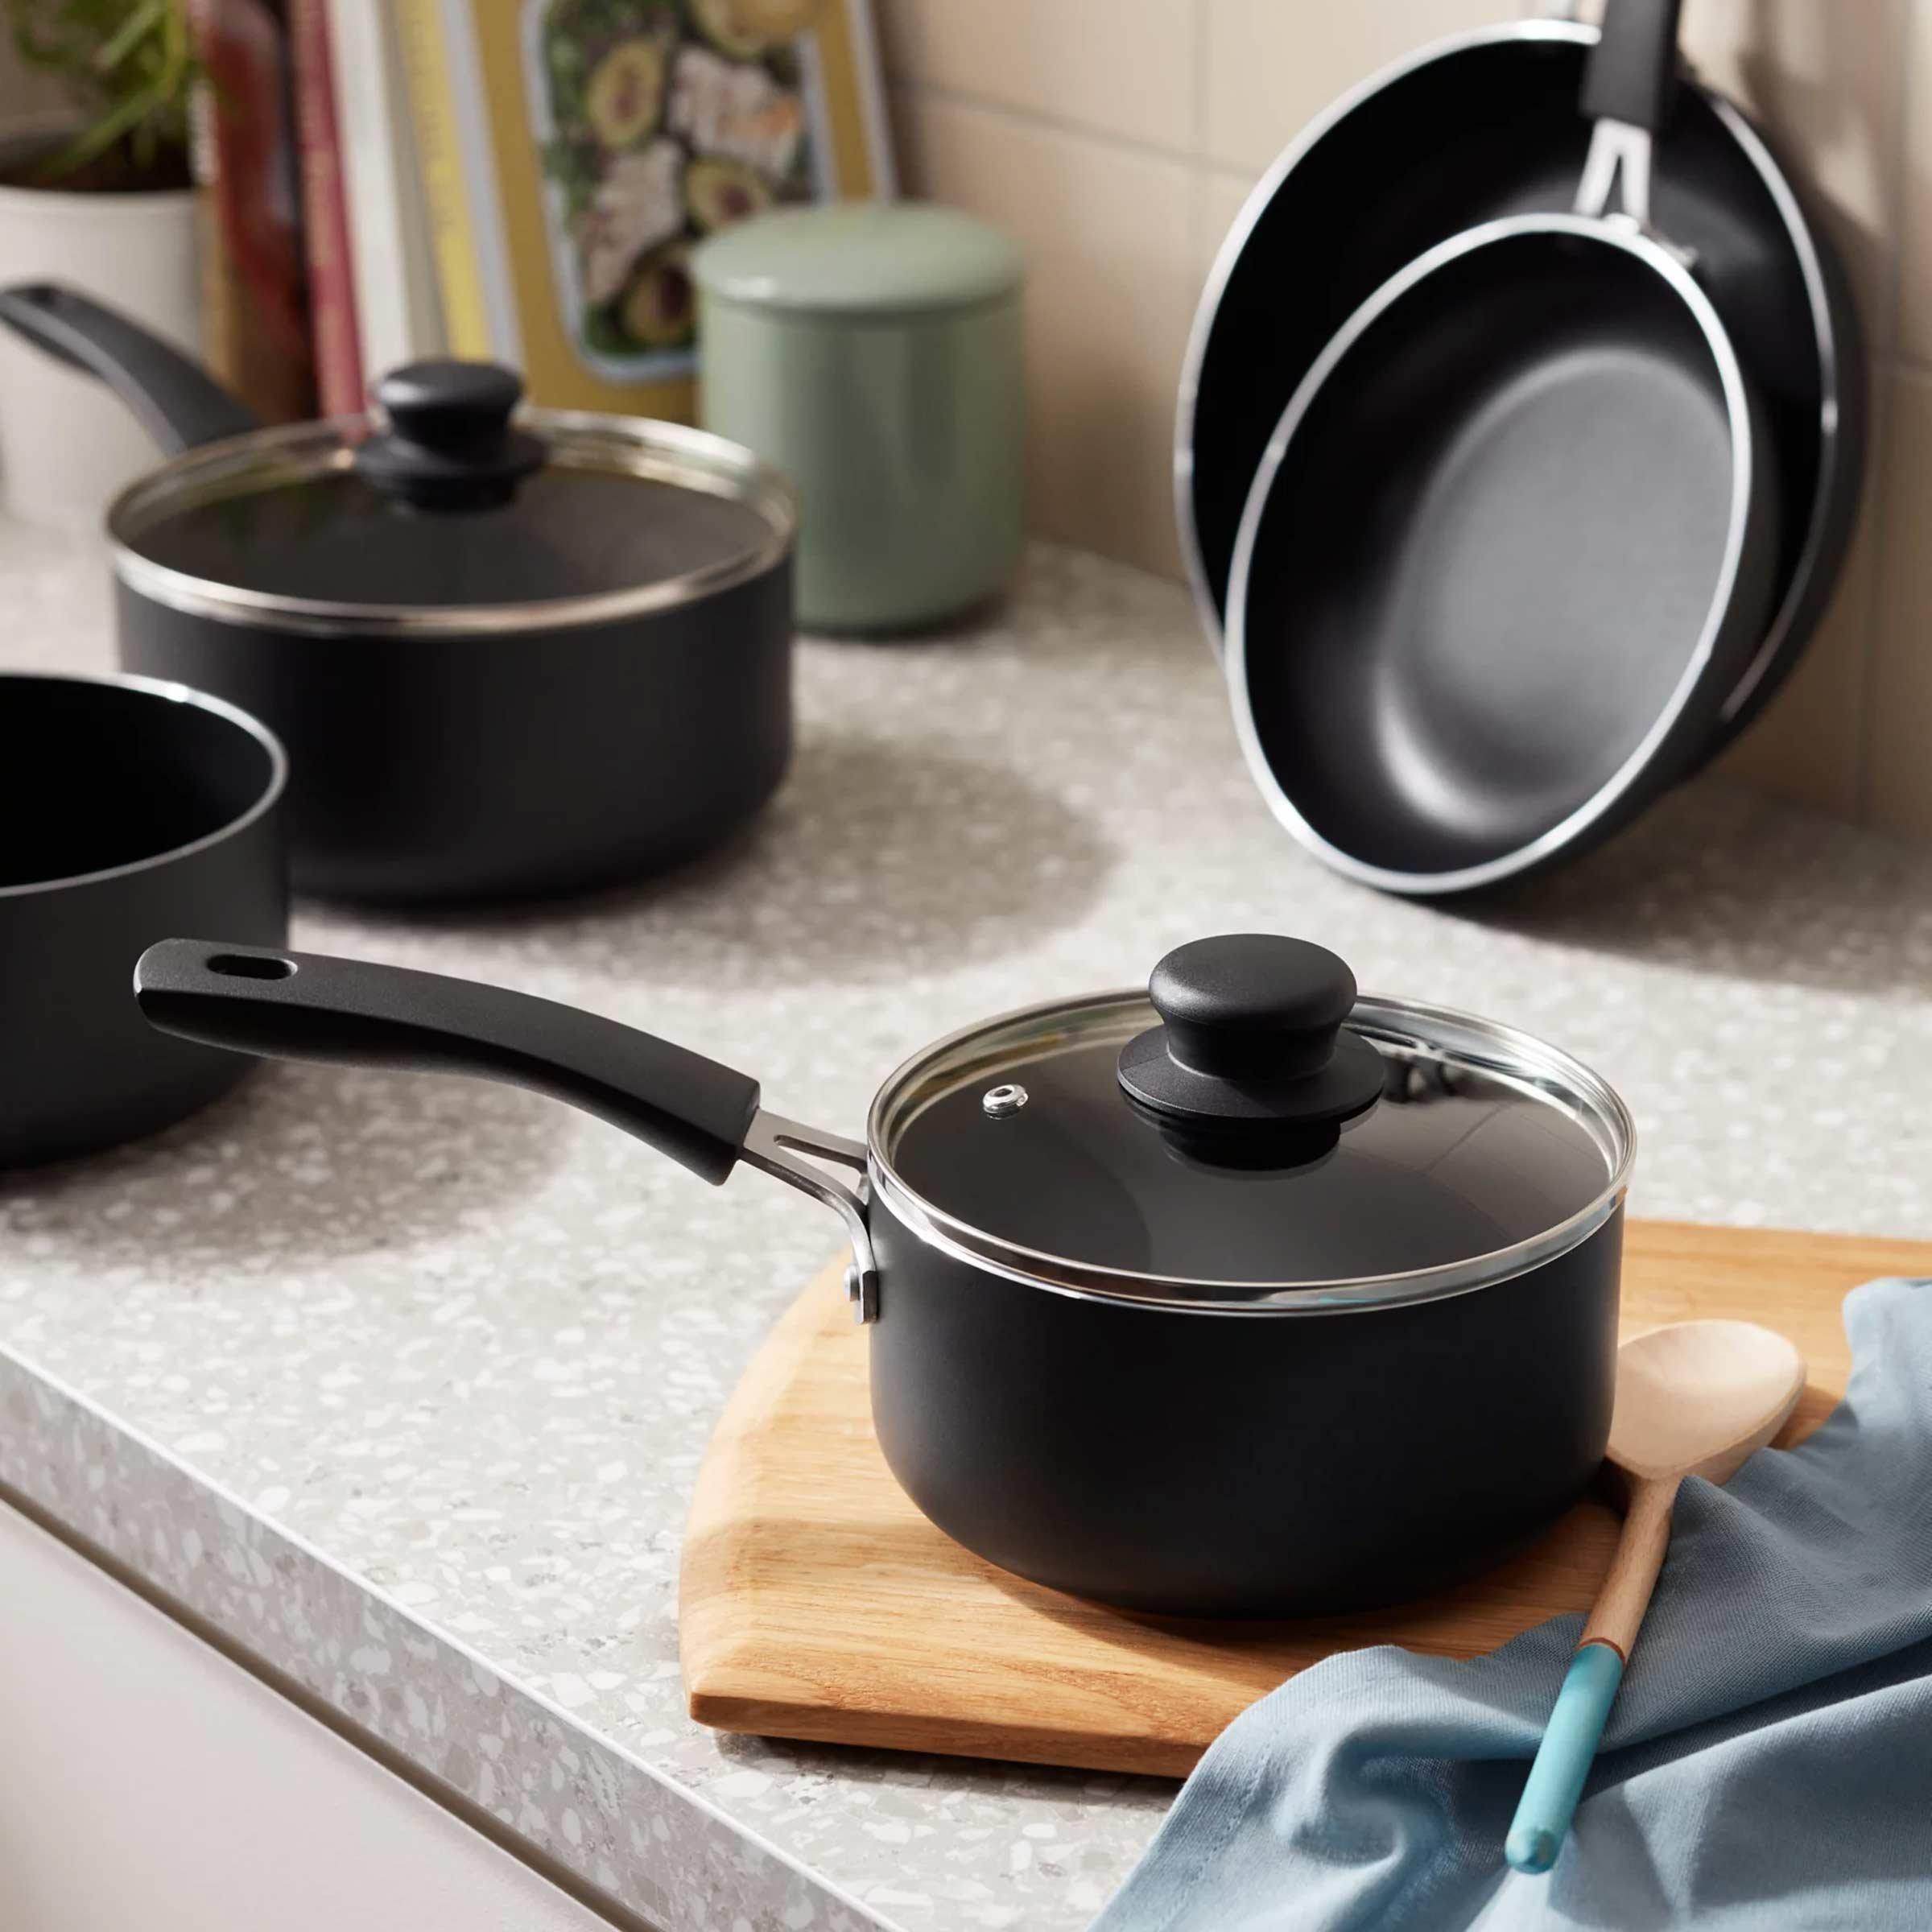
{"points": [[860, 258]]}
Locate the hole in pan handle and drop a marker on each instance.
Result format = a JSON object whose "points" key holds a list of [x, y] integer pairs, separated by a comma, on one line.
{"points": [[251, 966], [306, 1006]]}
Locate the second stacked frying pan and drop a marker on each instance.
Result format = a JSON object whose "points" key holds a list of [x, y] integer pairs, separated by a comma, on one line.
{"points": [[1484, 130]]}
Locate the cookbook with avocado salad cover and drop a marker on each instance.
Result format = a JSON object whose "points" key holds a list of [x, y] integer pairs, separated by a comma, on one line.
{"points": [[573, 152]]}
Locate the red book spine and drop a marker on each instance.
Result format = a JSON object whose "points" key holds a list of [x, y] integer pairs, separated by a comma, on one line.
{"points": [[331, 288], [254, 305]]}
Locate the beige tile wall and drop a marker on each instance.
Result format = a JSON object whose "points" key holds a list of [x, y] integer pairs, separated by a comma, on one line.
{"points": [[1118, 138]]}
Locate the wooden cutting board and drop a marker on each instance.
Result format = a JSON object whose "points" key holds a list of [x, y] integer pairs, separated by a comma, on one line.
{"points": [[817, 1602]]}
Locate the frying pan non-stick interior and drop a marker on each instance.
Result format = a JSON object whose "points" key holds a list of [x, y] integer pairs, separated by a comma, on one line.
{"points": [[1488, 126], [1500, 552]]}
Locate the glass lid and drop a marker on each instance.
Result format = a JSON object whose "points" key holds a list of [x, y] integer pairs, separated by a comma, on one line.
{"points": [[447, 512], [1251, 1134]]}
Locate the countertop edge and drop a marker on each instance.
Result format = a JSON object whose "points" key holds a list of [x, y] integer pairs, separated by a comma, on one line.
{"points": [[576, 1800]]}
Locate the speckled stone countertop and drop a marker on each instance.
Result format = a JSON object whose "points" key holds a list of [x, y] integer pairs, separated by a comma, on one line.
{"points": [[401, 1383]]}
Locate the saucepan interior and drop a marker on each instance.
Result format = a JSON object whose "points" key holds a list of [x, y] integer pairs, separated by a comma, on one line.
{"points": [[99, 773], [127, 807]]}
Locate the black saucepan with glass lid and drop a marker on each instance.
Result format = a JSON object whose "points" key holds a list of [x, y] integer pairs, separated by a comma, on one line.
{"points": [[510, 653], [1244, 1297]]}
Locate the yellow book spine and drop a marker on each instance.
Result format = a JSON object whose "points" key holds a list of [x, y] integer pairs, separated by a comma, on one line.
{"points": [[446, 192]]}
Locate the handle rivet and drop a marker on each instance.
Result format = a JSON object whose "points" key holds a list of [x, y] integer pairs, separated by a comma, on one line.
{"points": [[999, 1102]]}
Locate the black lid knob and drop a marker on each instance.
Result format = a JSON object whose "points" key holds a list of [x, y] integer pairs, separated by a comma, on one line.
{"points": [[449, 444], [1252, 1044], [1250, 1004]]}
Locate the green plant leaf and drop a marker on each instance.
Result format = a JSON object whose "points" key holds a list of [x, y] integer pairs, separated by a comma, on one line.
{"points": [[130, 61]]}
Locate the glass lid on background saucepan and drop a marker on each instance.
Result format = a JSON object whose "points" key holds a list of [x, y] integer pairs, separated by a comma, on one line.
{"points": [[1227, 1139], [444, 512]]}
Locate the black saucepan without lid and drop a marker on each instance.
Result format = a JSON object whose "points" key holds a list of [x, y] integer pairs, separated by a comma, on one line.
{"points": [[127, 808], [511, 654], [1245, 1297]]}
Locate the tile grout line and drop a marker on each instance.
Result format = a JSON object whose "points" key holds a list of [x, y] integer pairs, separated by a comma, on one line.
{"points": [[1884, 371]]}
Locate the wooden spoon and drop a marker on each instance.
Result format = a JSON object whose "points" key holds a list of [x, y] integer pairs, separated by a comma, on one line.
{"points": [[1697, 1398]]}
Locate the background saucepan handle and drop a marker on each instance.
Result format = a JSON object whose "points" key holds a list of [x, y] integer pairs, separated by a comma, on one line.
{"points": [[179, 403], [305, 1006]]}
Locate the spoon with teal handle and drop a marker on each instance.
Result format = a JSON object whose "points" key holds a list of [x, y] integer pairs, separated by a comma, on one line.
{"points": [[1698, 1398]]}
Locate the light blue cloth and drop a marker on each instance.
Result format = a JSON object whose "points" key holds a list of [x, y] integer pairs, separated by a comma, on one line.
{"points": [[1769, 1763]]}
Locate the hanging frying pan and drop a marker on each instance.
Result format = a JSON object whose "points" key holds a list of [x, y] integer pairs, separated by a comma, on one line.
{"points": [[1515, 538], [1481, 127]]}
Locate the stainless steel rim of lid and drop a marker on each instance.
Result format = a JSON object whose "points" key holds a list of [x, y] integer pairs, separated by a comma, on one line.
{"points": [[668, 452], [1831, 452], [1599, 232], [997, 1048]]}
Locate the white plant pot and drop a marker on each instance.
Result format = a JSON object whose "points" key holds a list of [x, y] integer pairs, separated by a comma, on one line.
{"points": [[68, 445]]}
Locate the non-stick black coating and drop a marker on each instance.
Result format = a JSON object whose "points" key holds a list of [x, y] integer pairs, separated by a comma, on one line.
{"points": [[500, 764], [1495, 546], [1248, 1465], [156, 795], [1491, 128]]}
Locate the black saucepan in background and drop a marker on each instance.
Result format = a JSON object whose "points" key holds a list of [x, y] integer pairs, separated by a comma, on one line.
{"points": [[1242, 1297], [507, 658]]}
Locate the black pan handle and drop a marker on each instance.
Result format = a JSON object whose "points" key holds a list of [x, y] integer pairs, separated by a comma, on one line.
{"points": [[179, 405], [1632, 73], [304, 1007]]}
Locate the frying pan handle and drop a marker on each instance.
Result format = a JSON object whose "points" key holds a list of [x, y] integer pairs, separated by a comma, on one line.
{"points": [[179, 405], [1632, 74], [303, 1006]]}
